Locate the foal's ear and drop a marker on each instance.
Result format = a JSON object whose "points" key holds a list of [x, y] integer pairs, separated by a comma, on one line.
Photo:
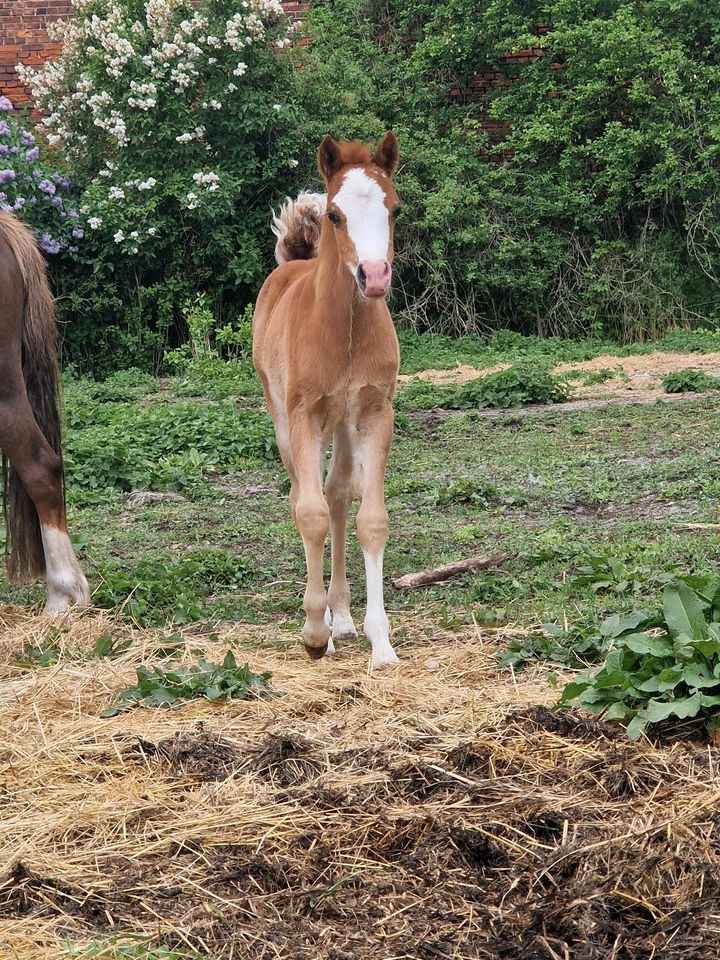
{"points": [[386, 156], [329, 158]]}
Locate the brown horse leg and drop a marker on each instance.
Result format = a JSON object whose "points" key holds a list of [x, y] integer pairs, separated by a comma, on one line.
{"points": [[40, 472], [339, 494], [312, 517]]}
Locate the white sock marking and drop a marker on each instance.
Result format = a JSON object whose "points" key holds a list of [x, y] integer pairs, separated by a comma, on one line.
{"points": [[66, 583], [377, 627]]}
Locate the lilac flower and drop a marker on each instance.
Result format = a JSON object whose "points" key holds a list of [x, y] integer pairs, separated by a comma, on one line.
{"points": [[73, 214], [6, 175], [5, 207], [57, 202], [45, 186], [4, 128], [3, 197], [78, 233], [27, 139], [72, 248], [14, 150], [61, 181], [5, 104], [48, 244], [33, 200], [19, 203], [4, 149], [33, 154]]}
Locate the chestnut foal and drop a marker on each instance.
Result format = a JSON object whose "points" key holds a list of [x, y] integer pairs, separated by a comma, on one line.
{"points": [[326, 351], [36, 542]]}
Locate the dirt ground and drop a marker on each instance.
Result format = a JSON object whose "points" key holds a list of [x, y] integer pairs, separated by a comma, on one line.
{"points": [[635, 377], [437, 810]]}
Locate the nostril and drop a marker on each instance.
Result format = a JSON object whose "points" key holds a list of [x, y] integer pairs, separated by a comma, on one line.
{"points": [[362, 276]]}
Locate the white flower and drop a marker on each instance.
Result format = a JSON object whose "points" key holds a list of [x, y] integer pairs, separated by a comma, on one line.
{"points": [[134, 235], [147, 184], [210, 180], [119, 237], [293, 163], [192, 200], [277, 107], [95, 223], [240, 69], [231, 88], [116, 193], [152, 231]]}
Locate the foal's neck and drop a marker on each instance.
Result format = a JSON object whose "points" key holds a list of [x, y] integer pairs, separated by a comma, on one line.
{"points": [[336, 289]]}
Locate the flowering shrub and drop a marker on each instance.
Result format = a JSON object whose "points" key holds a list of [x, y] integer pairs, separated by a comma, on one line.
{"points": [[29, 189], [175, 120]]}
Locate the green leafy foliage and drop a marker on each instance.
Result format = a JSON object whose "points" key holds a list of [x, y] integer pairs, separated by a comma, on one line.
{"points": [[671, 672], [127, 947], [158, 687], [515, 387], [50, 650], [689, 381], [467, 491], [615, 575], [153, 592]]}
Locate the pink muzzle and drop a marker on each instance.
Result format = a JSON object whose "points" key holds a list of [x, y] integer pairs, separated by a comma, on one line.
{"points": [[374, 277]]}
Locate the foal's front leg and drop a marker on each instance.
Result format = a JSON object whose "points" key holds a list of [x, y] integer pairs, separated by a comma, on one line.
{"points": [[312, 517], [339, 493], [375, 436]]}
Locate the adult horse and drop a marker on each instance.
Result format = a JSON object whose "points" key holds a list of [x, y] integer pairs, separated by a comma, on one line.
{"points": [[36, 539], [326, 351]]}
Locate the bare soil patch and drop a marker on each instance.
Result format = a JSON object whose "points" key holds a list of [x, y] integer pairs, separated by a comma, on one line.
{"points": [[435, 810], [636, 378]]}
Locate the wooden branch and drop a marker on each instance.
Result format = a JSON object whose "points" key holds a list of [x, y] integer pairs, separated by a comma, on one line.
{"points": [[424, 578]]}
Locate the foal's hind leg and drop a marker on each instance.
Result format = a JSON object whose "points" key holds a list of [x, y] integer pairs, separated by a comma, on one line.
{"points": [[39, 470], [339, 493]]}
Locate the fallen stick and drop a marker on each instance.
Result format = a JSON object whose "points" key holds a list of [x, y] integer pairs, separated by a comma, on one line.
{"points": [[424, 578]]}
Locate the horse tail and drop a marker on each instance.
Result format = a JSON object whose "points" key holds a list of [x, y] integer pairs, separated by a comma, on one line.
{"points": [[23, 540], [297, 227]]}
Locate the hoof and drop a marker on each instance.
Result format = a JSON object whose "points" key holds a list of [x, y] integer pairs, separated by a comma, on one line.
{"points": [[384, 659], [316, 653]]}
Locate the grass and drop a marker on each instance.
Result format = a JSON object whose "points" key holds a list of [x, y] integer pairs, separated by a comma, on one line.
{"points": [[553, 489]]}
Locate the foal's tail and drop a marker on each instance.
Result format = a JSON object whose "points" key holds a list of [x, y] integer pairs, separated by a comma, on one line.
{"points": [[298, 226], [23, 541]]}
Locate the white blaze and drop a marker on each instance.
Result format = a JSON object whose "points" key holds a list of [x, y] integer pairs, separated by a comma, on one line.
{"points": [[362, 200]]}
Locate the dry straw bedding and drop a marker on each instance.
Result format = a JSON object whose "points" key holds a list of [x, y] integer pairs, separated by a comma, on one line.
{"points": [[438, 810]]}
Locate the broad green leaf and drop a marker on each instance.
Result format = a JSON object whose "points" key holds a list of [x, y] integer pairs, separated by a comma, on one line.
{"points": [[683, 611], [637, 726], [643, 643], [658, 710]]}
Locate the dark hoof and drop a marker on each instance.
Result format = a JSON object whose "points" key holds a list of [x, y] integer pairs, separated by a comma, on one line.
{"points": [[316, 653]]}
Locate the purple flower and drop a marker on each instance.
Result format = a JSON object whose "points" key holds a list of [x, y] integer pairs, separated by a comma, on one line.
{"points": [[19, 203], [27, 139], [14, 150], [61, 181], [3, 197], [33, 200], [73, 214], [6, 176], [48, 244], [57, 202], [5, 207], [33, 154], [73, 248], [78, 233], [5, 104], [4, 128], [4, 149], [45, 186]]}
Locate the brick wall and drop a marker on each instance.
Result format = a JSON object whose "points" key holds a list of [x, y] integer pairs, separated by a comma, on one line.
{"points": [[24, 39]]}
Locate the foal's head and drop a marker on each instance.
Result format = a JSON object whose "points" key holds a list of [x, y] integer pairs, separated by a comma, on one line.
{"points": [[362, 207]]}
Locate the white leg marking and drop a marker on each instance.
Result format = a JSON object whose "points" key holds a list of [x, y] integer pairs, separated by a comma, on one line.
{"points": [[377, 628], [342, 625], [66, 583]]}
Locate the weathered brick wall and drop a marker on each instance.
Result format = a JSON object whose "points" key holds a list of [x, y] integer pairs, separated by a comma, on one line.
{"points": [[24, 39]]}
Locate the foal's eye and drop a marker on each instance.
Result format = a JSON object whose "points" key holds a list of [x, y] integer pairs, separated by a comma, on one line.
{"points": [[396, 212], [333, 218]]}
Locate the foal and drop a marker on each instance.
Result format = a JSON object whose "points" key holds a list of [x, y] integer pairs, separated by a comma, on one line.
{"points": [[36, 542], [326, 351]]}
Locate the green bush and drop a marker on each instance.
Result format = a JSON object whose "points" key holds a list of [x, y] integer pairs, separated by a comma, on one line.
{"points": [[179, 128], [599, 211]]}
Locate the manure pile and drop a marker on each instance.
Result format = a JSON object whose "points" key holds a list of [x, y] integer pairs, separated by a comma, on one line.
{"points": [[436, 811]]}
